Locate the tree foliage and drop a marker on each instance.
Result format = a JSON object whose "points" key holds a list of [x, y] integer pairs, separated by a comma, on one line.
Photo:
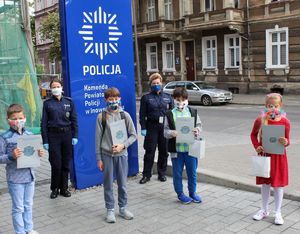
{"points": [[50, 30]]}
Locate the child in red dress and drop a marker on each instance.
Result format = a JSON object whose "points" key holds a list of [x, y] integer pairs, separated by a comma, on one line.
{"points": [[273, 115]]}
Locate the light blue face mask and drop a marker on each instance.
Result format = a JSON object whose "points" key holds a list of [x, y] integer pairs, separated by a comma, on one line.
{"points": [[113, 105], [156, 88]]}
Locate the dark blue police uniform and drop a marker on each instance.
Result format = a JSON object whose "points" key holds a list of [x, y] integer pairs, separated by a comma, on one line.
{"points": [[152, 111], [59, 126]]}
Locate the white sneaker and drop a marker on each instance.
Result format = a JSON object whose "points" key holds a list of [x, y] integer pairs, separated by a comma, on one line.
{"points": [[126, 214], [32, 232], [110, 216], [278, 219], [261, 214]]}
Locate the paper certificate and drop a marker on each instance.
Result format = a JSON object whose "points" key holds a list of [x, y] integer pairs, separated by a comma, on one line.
{"points": [[184, 128], [29, 144], [118, 132], [270, 136]]}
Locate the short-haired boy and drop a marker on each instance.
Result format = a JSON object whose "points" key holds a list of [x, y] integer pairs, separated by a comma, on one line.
{"points": [[112, 159], [20, 181], [179, 151]]}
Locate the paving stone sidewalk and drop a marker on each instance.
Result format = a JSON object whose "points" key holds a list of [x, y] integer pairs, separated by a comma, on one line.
{"points": [[156, 210]]}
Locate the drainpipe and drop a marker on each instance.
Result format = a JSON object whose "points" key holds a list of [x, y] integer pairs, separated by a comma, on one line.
{"points": [[248, 47], [137, 55]]}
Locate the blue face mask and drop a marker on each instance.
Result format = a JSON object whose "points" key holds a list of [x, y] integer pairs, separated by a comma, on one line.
{"points": [[156, 88], [113, 105]]}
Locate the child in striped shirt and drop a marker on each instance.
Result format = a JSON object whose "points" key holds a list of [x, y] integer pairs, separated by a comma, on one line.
{"points": [[179, 151]]}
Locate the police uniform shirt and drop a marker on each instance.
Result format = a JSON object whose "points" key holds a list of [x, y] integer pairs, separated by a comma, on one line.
{"points": [[59, 114], [154, 106]]}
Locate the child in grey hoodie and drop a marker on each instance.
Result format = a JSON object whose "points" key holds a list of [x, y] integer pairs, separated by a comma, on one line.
{"points": [[112, 159]]}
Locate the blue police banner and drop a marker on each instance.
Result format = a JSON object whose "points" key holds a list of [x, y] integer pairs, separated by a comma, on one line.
{"points": [[97, 53]]}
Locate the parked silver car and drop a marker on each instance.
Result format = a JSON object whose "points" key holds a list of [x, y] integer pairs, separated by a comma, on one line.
{"points": [[200, 91]]}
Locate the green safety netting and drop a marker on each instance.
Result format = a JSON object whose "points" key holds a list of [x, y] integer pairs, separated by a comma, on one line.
{"points": [[18, 81]]}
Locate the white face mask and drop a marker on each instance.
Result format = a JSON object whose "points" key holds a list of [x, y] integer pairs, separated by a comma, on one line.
{"points": [[17, 125], [56, 91], [180, 105]]}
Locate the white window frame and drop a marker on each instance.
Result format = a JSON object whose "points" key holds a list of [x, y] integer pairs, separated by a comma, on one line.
{"points": [[148, 53], [205, 50], [168, 7], [52, 67], [227, 55], [269, 44], [164, 56], [151, 14]]}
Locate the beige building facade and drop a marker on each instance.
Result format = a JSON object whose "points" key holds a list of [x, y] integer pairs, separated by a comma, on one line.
{"points": [[245, 46]]}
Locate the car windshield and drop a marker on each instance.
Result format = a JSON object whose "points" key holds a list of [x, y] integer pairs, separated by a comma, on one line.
{"points": [[202, 85]]}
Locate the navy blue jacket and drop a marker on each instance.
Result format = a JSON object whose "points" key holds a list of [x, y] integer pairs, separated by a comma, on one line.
{"points": [[59, 113], [153, 106]]}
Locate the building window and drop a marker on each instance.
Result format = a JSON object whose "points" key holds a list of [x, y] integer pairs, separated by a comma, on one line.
{"points": [[151, 10], [209, 52], [277, 47], [236, 3], [52, 68], [209, 5], [168, 10], [232, 51], [151, 50], [168, 56]]}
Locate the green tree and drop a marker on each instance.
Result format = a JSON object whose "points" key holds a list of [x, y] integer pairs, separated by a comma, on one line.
{"points": [[50, 29]]}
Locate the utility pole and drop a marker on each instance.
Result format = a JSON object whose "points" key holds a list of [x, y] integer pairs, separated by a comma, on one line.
{"points": [[137, 56]]}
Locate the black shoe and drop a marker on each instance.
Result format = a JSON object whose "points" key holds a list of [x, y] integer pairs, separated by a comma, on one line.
{"points": [[54, 194], [144, 180], [65, 193], [162, 178]]}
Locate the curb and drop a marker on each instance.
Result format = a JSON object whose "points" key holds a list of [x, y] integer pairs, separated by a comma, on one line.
{"points": [[221, 179]]}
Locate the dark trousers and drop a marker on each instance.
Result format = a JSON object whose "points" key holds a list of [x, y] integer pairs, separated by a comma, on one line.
{"points": [[60, 154], [155, 137]]}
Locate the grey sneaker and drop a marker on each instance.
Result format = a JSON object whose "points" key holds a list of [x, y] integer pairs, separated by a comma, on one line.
{"points": [[32, 232], [124, 213], [110, 216]]}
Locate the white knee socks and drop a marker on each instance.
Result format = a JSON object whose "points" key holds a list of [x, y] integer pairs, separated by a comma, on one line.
{"points": [[278, 197], [265, 194]]}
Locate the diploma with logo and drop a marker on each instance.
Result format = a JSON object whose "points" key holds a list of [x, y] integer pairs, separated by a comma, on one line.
{"points": [[270, 138], [29, 144], [184, 128], [118, 132]]}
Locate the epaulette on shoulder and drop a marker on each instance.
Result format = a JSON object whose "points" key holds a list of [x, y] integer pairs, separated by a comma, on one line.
{"points": [[7, 134], [68, 98]]}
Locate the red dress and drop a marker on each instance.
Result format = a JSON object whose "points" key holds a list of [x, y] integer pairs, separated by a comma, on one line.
{"points": [[279, 165]]}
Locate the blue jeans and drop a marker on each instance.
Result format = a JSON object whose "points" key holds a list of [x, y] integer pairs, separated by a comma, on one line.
{"points": [[191, 164], [22, 201]]}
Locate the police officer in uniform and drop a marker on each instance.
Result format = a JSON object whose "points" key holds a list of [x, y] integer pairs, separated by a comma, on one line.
{"points": [[59, 133], [154, 106]]}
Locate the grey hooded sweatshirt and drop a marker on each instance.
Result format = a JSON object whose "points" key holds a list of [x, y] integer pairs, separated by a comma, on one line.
{"points": [[104, 141]]}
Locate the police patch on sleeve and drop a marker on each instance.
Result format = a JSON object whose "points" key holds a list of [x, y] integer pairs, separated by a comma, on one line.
{"points": [[67, 114]]}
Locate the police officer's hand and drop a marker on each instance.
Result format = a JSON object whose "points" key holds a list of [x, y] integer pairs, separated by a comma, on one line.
{"points": [[41, 152], [144, 132], [118, 148], [74, 141], [174, 133], [17, 152], [100, 165], [46, 146]]}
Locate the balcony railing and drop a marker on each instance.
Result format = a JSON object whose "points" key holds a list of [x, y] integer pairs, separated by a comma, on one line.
{"points": [[215, 19]]}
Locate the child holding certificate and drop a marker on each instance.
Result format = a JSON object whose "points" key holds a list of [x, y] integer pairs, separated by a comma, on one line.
{"points": [[272, 115], [20, 181], [179, 151], [112, 157]]}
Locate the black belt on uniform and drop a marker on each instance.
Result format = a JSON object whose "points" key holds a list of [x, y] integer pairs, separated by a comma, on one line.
{"points": [[59, 129]]}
